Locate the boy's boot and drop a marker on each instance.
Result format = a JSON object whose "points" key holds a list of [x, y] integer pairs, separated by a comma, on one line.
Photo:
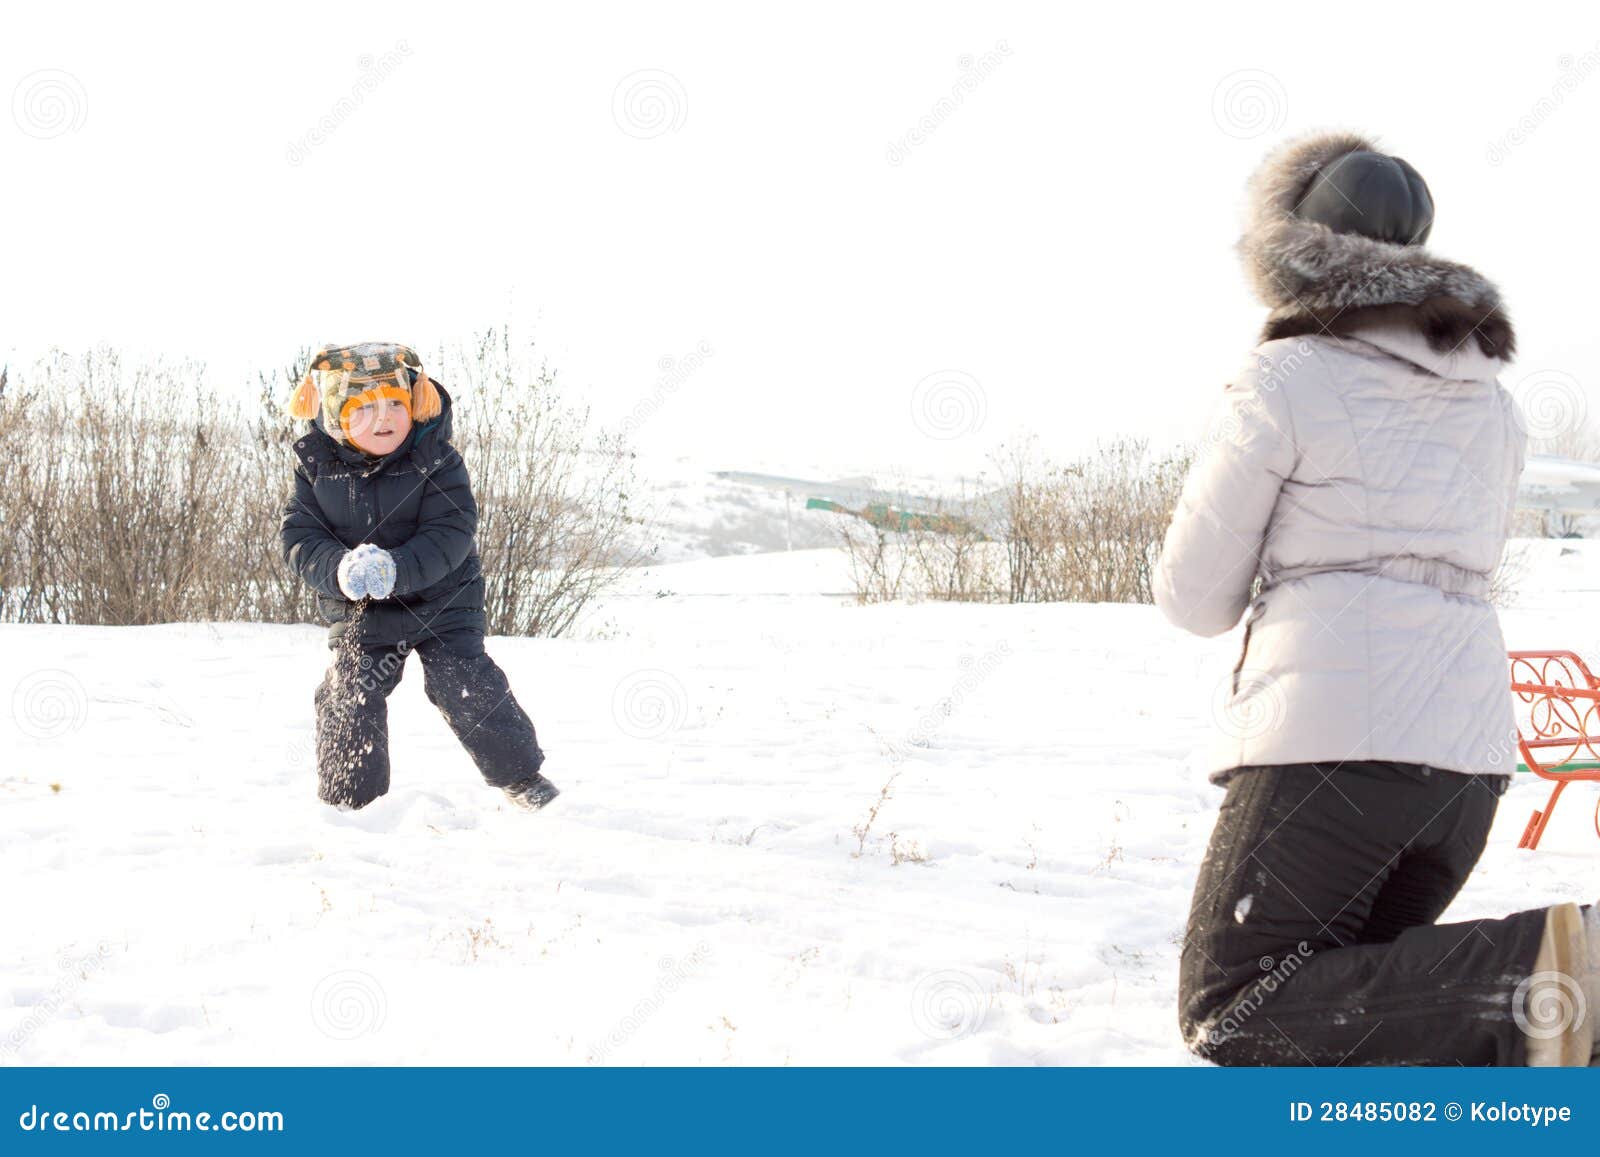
{"points": [[532, 794]]}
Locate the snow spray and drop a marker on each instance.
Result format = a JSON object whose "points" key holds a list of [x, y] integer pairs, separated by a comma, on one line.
{"points": [[347, 731]]}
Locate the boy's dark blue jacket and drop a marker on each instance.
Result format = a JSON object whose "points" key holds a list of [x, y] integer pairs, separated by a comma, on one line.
{"points": [[417, 504]]}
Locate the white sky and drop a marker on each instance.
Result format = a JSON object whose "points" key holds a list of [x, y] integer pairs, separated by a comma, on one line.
{"points": [[1064, 238]]}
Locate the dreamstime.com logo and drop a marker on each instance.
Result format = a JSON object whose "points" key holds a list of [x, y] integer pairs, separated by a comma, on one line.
{"points": [[949, 1005], [649, 704], [974, 71], [949, 404], [1572, 71], [674, 372], [973, 674], [49, 103], [1249, 103], [1243, 413], [349, 1004], [649, 103], [1550, 403], [73, 971], [49, 704], [674, 974], [1548, 1005], [160, 1117], [1248, 704], [1275, 972], [374, 70]]}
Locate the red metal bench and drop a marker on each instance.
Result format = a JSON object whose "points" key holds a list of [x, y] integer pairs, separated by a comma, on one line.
{"points": [[1558, 726]]}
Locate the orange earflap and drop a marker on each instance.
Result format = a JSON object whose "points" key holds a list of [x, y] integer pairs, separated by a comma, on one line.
{"points": [[425, 404], [305, 401]]}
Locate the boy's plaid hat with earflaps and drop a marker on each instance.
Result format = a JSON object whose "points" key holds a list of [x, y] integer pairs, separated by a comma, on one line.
{"points": [[337, 375]]}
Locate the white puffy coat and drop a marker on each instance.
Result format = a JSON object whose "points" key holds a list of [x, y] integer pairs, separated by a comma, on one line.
{"points": [[1365, 470]]}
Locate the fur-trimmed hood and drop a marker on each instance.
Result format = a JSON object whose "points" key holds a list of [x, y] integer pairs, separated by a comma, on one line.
{"points": [[1317, 281]]}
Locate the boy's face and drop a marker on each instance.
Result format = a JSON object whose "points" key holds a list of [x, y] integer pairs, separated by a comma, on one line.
{"points": [[379, 426]]}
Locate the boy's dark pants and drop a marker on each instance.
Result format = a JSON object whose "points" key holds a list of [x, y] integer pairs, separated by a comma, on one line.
{"points": [[460, 679], [1312, 941]]}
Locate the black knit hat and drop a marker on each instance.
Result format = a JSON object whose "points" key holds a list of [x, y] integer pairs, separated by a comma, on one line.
{"points": [[1373, 195]]}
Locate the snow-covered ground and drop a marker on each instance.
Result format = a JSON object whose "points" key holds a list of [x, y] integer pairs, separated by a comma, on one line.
{"points": [[724, 879]]}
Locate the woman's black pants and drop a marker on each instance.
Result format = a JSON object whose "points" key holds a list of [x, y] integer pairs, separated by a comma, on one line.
{"points": [[1311, 939]]}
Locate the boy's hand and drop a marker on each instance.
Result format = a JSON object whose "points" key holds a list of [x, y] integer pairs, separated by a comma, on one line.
{"points": [[380, 570], [367, 572], [353, 576]]}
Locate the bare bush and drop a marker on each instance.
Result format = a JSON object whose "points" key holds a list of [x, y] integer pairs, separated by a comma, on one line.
{"points": [[277, 594], [921, 549], [1506, 582], [876, 558], [117, 491], [951, 553], [554, 495], [1087, 531], [1580, 443]]}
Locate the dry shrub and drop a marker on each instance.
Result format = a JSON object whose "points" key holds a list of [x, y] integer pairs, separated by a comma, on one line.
{"points": [[555, 524], [1581, 443], [1087, 531], [917, 548], [877, 562], [1505, 584], [120, 495], [952, 553]]}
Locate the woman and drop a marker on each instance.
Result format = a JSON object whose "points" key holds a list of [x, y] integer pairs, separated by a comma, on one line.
{"points": [[1365, 472]]}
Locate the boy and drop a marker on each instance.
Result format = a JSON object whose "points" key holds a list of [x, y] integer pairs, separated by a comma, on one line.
{"points": [[382, 524]]}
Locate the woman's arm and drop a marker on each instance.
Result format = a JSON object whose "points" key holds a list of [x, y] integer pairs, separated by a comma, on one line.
{"points": [[309, 547], [1213, 547], [447, 522]]}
